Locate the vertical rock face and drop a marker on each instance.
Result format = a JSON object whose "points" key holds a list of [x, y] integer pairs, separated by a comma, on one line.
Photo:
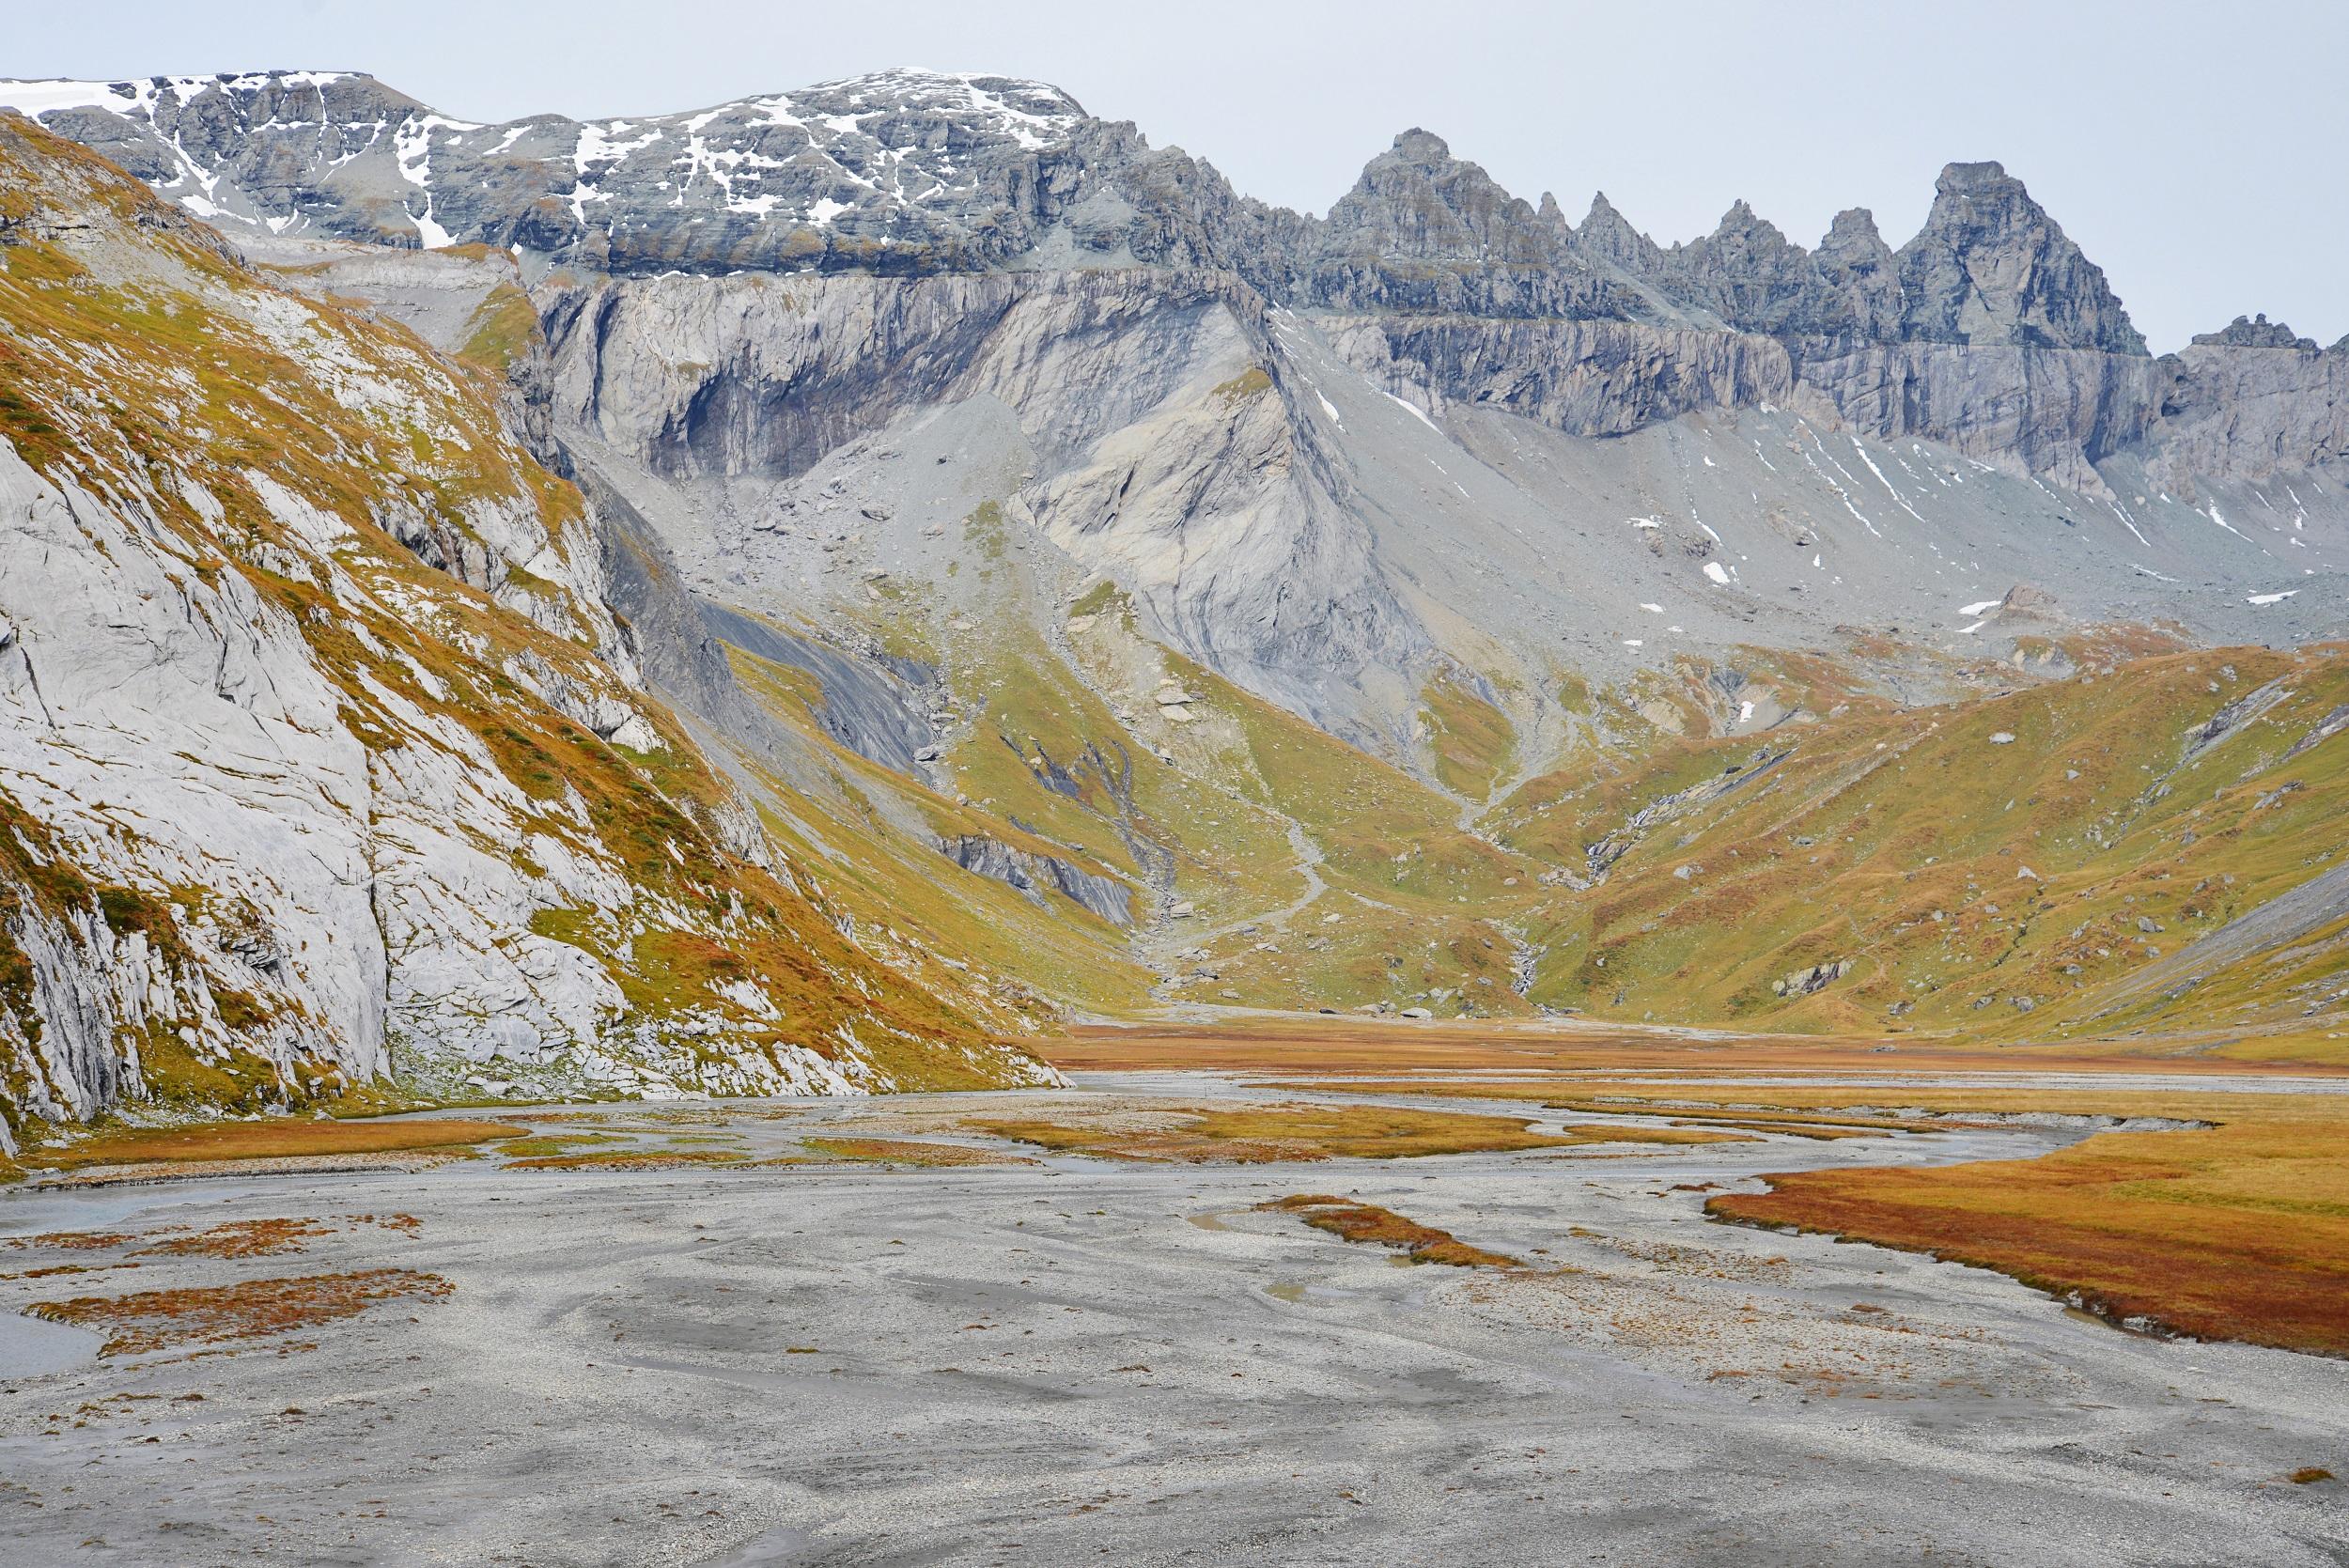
{"points": [[1165, 451], [1992, 268], [2032, 411], [1584, 378], [2256, 410], [164, 731]]}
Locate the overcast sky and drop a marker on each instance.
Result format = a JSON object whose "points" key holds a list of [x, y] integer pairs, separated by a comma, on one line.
{"points": [[2195, 151]]}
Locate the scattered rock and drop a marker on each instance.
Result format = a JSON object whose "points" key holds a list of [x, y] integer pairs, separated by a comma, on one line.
{"points": [[1817, 977]]}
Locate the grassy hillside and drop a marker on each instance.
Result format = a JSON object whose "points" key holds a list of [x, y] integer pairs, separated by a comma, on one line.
{"points": [[2001, 865]]}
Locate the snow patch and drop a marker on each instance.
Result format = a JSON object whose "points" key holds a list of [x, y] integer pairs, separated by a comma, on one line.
{"points": [[1411, 408]]}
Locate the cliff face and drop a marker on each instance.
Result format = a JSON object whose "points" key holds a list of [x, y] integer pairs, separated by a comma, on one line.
{"points": [[1583, 378], [1150, 410], [2257, 411], [321, 754]]}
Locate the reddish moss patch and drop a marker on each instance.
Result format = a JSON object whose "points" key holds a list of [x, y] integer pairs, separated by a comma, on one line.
{"points": [[251, 1308], [241, 1238], [73, 1241], [1270, 1134], [2234, 1231], [1350, 1221]]}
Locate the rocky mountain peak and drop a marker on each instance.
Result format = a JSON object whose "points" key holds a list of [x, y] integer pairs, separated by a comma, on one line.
{"points": [[1421, 203], [1423, 147], [1424, 230], [1005, 100], [1854, 234], [1991, 267], [1742, 219], [1606, 234], [1749, 274], [1857, 267], [2242, 332], [1988, 175], [1742, 230]]}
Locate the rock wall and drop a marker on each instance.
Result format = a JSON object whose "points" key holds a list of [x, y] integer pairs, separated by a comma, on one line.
{"points": [[1584, 378]]}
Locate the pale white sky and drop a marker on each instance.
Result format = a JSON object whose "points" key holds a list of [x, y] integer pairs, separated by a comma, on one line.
{"points": [[2195, 151]]}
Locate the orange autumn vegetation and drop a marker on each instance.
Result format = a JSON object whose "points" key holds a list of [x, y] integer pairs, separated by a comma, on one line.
{"points": [[1314, 1045], [271, 1137], [2239, 1231], [1266, 1134], [241, 1238], [1367, 1223], [251, 1308]]}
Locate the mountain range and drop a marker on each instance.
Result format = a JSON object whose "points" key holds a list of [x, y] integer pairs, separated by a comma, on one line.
{"points": [[798, 593]]}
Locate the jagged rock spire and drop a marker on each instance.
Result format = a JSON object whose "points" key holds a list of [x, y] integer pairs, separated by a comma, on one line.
{"points": [[2260, 333], [1991, 267]]}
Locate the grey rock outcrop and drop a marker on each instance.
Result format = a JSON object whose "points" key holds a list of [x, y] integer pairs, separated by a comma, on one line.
{"points": [[1585, 377], [1034, 875], [2045, 412], [1990, 267], [1422, 231], [1818, 977], [2251, 411], [863, 708], [2243, 333]]}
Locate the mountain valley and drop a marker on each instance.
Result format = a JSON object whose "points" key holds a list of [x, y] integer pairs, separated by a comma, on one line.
{"points": [[867, 825]]}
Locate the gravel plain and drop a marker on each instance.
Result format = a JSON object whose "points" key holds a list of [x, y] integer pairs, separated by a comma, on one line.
{"points": [[1080, 1360]]}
